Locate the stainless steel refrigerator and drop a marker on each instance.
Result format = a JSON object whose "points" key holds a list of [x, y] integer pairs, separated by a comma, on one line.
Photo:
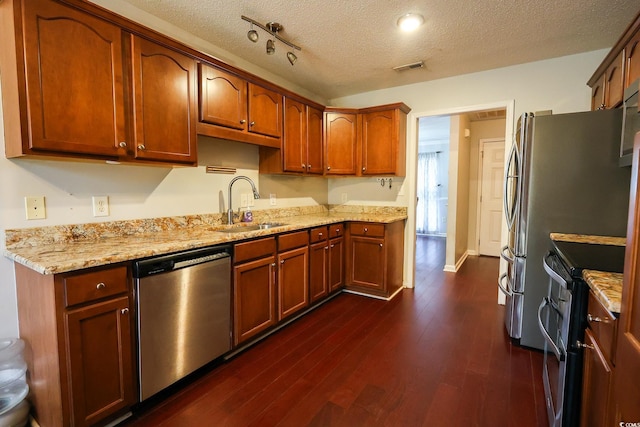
{"points": [[562, 176]]}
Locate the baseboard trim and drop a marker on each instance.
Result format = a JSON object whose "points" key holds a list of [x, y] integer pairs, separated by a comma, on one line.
{"points": [[454, 268], [389, 298]]}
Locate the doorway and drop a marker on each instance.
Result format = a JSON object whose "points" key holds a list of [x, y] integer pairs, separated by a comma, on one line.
{"points": [[465, 229]]}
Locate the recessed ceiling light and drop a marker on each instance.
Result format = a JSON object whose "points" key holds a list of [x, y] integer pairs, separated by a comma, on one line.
{"points": [[410, 21]]}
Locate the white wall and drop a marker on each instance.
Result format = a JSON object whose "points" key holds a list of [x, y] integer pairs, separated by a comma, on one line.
{"points": [[557, 84]]}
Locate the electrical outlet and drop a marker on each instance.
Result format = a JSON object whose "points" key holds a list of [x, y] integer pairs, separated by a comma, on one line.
{"points": [[100, 205], [344, 197], [34, 206], [243, 200], [272, 199]]}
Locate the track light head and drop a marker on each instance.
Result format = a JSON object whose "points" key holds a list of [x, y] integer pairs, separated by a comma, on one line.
{"points": [[292, 57], [253, 35], [271, 47]]}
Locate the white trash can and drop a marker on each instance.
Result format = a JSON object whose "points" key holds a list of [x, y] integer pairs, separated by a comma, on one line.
{"points": [[14, 409]]}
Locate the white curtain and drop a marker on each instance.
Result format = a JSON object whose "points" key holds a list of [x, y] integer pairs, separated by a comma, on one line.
{"points": [[428, 215]]}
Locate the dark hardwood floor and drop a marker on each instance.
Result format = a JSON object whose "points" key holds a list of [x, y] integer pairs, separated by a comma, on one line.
{"points": [[436, 355]]}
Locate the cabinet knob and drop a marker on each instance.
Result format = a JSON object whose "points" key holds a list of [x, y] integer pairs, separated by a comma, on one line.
{"points": [[366, 229], [304, 166], [308, 167], [100, 286], [333, 246], [364, 169], [583, 345], [124, 311], [319, 234], [282, 262], [122, 144], [273, 265], [243, 121], [380, 244], [328, 168], [252, 123], [337, 230], [141, 147]]}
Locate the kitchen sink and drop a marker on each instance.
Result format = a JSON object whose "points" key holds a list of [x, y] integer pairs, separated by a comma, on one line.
{"points": [[253, 227]]}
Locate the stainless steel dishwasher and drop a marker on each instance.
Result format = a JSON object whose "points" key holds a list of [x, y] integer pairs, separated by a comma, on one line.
{"points": [[183, 303]]}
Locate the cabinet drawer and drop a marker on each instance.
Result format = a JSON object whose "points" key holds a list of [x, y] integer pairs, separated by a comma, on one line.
{"points": [[318, 234], [84, 287], [367, 229], [336, 230], [254, 249], [603, 325], [292, 240]]}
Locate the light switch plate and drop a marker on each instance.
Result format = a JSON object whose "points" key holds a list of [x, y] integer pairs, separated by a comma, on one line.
{"points": [[34, 206], [272, 199], [243, 200]]}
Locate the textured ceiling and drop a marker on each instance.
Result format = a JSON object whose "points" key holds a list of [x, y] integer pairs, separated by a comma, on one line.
{"points": [[351, 46]]}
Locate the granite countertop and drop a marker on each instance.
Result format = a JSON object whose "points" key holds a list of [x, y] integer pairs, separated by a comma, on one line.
{"points": [[58, 249], [606, 286]]}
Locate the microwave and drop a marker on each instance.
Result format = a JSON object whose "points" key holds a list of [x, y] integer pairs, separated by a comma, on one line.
{"points": [[630, 122]]}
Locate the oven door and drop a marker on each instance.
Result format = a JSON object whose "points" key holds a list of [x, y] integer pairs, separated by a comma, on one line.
{"points": [[554, 319]]}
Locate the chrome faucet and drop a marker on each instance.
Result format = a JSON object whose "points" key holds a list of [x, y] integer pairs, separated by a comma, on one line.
{"points": [[256, 195]]}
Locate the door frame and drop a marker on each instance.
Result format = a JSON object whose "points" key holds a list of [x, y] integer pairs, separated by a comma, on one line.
{"points": [[412, 179], [479, 189]]}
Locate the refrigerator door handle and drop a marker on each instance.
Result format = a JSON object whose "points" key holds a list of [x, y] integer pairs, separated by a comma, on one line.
{"points": [[510, 210], [559, 354], [507, 254], [505, 289]]}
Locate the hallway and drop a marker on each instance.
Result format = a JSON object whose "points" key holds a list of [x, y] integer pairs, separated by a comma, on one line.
{"points": [[436, 355]]}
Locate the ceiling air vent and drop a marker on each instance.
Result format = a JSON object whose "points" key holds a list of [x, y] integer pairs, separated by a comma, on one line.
{"points": [[419, 64]]}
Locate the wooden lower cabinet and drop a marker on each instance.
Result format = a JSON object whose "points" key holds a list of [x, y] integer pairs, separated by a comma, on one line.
{"points": [[101, 378], [374, 259], [318, 270], [78, 330], [254, 289], [596, 385], [293, 294], [336, 264]]}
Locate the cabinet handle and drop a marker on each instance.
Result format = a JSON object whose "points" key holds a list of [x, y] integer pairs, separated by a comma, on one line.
{"points": [[141, 147], [597, 319], [122, 144], [243, 121], [124, 311], [583, 345], [100, 286], [252, 123], [380, 244], [602, 107]]}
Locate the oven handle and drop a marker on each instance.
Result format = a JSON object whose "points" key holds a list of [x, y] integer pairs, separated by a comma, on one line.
{"points": [[559, 354], [505, 289], [555, 276]]}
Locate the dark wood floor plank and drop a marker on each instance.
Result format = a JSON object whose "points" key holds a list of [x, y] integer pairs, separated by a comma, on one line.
{"points": [[436, 355]]}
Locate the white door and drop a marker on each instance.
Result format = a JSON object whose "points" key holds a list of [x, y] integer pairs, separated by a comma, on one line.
{"points": [[491, 188]]}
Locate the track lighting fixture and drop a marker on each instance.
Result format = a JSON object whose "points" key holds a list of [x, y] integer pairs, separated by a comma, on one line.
{"points": [[273, 28]]}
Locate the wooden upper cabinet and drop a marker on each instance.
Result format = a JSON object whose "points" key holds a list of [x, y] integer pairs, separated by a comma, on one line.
{"points": [[164, 100], [632, 60], [614, 83], [74, 82], [314, 140], [265, 111], [294, 144], [341, 133], [597, 94], [223, 98], [302, 139], [383, 141]]}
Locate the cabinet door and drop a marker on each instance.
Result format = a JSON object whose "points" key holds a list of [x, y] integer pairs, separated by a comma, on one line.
{"points": [[100, 360], [367, 262], [596, 386], [265, 111], [223, 98], [632, 52], [318, 270], [74, 81], [294, 144], [614, 84], [293, 281], [379, 143], [336, 264], [314, 141], [597, 94], [164, 101], [340, 143], [254, 288]]}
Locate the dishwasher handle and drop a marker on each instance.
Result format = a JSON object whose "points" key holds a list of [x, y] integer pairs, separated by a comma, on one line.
{"points": [[176, 261]]}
